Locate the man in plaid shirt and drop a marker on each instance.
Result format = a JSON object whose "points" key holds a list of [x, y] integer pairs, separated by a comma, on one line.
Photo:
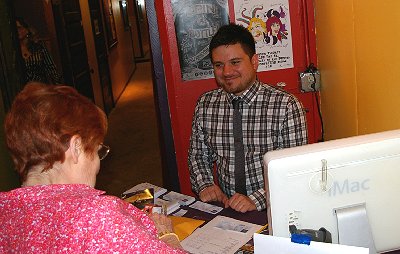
{"points": [[271, 119]]}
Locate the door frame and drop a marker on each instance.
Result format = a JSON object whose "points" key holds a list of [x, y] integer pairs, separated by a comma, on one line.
{"points": [[91, 53]]}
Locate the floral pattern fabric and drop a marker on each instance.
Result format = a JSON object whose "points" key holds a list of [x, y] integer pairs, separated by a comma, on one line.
{"points": [[74, 219]]}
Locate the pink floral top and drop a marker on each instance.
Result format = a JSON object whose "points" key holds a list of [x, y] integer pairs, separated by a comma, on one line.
{"points": [[74, 219]]}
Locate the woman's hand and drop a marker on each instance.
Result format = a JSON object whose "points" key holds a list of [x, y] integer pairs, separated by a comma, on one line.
{"points": [[165, 230], [162, 222]]}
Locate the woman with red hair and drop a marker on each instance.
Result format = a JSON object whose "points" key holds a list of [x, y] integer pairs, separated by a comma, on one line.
{"points": [[274, 30], [55, 137]]}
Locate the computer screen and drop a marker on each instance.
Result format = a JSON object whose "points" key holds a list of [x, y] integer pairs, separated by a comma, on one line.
{"points": [[309, 187]]}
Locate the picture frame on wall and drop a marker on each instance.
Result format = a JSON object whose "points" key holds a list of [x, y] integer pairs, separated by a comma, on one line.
{"points": [[195, 24], [111, 32]]}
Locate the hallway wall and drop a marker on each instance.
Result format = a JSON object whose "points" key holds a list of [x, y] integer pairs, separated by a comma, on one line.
{"points": [[133, 137], [358, 57], [9, 178], [10, 83], [121, 56]]}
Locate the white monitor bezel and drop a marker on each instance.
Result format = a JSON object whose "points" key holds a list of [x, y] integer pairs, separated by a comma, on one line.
{"points": [[371, 143]]}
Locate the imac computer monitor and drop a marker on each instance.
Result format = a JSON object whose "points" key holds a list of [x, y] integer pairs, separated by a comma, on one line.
{"points": [[350, 187]]}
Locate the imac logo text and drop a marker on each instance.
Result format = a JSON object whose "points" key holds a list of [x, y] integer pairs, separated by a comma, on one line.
{"points": [[347, 187]]}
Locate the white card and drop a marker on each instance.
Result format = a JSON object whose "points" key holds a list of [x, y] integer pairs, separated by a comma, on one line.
{"points": [[180, 213], [181, 198], [213, 209]]}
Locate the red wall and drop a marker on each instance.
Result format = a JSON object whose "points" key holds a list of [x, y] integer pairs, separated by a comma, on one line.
{"points": [[182, 95]]}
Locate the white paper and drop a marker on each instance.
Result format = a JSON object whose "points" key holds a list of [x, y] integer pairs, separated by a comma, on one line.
{"points": [[180, 213], [171, 206], [181, 198], [281, 245], [222, 235], [274, 48], [205, 207]]}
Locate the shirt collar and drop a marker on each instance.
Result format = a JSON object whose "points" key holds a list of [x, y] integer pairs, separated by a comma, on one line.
{"points": [[249, 95]]}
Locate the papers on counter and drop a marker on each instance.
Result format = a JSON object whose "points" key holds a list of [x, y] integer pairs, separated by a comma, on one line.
{"points": [[171, 206], [180, 213], [205, 207], [221, 235], [181, 198], [158, 191], [183, 226]]}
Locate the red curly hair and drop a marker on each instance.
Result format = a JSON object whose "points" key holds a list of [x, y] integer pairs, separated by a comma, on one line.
{"points": [[42, 120]]}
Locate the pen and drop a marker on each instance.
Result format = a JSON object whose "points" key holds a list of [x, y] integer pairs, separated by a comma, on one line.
{"points": [[164, 210], [262, 228]]}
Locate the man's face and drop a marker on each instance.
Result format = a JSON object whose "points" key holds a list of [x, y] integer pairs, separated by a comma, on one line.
{"points": [[22, 31], [234, 70]]}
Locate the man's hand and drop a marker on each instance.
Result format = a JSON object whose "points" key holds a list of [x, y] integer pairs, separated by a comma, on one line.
{"points": [[213, 193], [241, 203]]}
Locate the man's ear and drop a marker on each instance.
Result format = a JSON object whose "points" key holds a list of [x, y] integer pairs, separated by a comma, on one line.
{"points": [[254, 61], [75, 147]]}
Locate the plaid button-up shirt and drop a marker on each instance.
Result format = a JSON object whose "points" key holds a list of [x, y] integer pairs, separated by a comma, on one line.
{"points": [[271, 119]]}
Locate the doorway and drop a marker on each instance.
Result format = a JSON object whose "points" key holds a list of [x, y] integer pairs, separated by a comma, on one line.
{"points": [[61, 25], [141, 31]]}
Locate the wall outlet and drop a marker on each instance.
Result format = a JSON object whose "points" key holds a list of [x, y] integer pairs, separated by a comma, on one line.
{"points": [[310, 81]]}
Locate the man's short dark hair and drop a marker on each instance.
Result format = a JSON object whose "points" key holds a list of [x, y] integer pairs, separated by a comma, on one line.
{"points": [[232, 34]]}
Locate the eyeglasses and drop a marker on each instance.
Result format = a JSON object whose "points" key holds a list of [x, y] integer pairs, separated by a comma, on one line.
{"points": [[103, 151]]}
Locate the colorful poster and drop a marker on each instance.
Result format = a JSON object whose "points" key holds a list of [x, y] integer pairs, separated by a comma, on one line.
{"points": [[196, 22], [269, 22]]}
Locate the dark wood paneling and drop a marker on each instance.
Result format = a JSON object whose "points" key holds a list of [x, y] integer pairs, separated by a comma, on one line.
{"points": [[71, 39], [101, 53]]}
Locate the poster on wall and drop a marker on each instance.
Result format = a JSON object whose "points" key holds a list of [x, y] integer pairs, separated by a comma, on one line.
{"points": [[269, 22], [196, 22]]}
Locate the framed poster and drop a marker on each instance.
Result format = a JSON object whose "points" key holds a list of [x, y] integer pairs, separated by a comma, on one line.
{"points": [[269, 22], [196, 22], [111, 32]]}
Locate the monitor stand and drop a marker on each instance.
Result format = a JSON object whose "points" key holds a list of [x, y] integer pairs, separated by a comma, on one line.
{"points": [[354, 228]]}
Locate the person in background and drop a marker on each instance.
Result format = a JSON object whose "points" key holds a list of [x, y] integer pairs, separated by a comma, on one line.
{"points": [[39, 65], [271, 119], [55, 137]]}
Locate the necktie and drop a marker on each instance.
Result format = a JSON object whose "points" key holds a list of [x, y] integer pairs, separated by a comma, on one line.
{"points": [[240, 179]]}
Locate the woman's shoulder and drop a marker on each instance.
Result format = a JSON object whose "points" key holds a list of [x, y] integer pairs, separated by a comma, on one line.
{"points": [[85, 217], [96, 200], [90, 207], [70, 198]]}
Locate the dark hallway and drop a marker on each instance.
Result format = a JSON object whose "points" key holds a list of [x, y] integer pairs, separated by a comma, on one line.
{"points": [[133, 138], [133, 135]]}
